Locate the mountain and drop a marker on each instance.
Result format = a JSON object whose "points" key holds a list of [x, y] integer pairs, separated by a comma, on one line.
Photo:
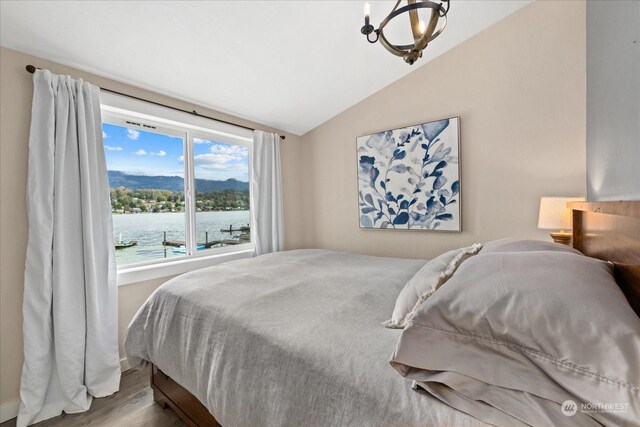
{"points": [[171, 183]]}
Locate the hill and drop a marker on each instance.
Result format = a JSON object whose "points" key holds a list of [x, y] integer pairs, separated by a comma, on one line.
{"points": [[171, 183]]}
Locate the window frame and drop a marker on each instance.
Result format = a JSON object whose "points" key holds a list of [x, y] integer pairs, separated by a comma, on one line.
{"points": [[121, 111]]}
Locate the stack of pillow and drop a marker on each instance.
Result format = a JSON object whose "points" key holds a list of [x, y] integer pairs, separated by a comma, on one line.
{"points": [[522, 332]]}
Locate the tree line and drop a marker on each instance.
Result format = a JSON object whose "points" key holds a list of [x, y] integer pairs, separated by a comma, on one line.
{"points": [[124, 200]]}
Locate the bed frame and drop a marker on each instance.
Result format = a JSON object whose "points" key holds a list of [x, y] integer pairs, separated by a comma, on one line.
{"points": [[167, 392], [611, 231], [605, 230]]}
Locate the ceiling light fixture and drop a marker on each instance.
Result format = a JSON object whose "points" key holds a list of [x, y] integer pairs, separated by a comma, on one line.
{"points": [[423, 33]]}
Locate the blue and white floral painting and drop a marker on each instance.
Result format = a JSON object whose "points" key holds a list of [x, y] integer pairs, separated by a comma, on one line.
{"points": [[409, 178]]}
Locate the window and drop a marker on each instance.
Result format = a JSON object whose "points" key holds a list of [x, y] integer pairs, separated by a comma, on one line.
{"points": [[178, 190]]}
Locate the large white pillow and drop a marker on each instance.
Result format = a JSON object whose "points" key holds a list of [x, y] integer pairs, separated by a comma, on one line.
{"points": [[522, 337], [425, 282]]}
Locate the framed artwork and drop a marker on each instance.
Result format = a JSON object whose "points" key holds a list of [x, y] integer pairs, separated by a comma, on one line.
{"points": [[409, 178]]}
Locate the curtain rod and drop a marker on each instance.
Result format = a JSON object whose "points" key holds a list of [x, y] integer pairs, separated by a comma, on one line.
{"points": [[32, 69]]}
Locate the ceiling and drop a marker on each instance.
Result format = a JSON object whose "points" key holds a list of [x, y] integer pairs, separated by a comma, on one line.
{"points": [[291, 65]]}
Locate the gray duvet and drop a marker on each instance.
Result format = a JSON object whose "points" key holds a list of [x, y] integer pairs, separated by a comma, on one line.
{"points": [[287, 339]]}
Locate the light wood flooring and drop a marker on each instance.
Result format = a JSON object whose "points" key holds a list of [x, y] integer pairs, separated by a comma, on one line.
{"points": [[132, 406]]}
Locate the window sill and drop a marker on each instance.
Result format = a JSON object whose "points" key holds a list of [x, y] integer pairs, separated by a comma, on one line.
{"points": [[134, 274]]}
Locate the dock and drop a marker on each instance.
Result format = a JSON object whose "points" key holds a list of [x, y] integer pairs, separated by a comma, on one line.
{"points": [[178, 243], [207, 244], [232, 230]]}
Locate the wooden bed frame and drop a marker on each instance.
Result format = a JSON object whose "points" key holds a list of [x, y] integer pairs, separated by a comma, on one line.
{"points": [[167, 392], [611, 231], [605, 230]]}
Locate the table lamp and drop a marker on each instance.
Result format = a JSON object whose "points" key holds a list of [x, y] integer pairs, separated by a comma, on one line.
{"points": [[554, 215]]}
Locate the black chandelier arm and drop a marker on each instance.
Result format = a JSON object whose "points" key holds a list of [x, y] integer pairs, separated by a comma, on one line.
{"points": [[377, 33], [443, 12]]}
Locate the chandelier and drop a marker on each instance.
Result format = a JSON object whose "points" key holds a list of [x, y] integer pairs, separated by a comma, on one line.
{"points": [[422, 34]]}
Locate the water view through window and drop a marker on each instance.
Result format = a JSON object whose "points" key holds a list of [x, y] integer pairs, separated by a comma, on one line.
{"points": [[146, 175], [221, 173]]}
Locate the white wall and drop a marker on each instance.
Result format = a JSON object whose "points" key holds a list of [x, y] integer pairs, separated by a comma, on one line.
{"points": [[613, 100]]}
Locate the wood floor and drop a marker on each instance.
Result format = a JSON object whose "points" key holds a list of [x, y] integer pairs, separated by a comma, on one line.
{"points": [[132, 406]]}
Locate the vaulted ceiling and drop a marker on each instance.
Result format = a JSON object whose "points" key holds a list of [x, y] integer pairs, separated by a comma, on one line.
{"points": [[291, 65]]}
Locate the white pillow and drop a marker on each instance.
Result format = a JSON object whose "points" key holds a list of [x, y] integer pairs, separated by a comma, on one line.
{"points": [[425, 282], [513, 336]]}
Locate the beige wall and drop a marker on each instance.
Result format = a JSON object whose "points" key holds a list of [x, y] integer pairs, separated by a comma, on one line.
{"points": [[16, 90], [519, 89]]}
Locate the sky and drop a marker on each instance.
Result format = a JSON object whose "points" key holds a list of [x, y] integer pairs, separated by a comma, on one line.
{"points": [[139, 152]]}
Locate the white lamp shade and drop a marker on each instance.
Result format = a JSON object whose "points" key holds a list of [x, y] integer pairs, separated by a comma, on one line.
{"points": [[554, 214]]}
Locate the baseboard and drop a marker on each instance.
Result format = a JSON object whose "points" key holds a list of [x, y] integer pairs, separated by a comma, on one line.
{"points": [[124, 364], [9, 410]]}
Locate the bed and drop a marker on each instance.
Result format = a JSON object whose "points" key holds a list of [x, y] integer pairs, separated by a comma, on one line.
{"points": [[296, 339]]}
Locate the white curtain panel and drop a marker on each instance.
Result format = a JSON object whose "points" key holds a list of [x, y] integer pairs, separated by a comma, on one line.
{"points": [[70, 301], [267, 221]]}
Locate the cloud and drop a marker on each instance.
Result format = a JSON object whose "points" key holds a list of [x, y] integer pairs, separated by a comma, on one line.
{"points": [[133, 134], [142, 152], [204, 159], [152, 172], [112, 148], [208, 159], [104, 135], [226, 167], [235, 150], [221, 162], [225, 162], [221, 148]]}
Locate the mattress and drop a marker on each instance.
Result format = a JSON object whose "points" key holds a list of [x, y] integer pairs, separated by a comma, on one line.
{"points": [[288, 339]]}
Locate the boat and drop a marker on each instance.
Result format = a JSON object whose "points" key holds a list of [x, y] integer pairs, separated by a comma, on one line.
{"points": [[122, 245], [183, 249]]}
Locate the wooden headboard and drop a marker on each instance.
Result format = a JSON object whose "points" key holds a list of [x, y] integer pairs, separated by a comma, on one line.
{"points": [[611, 231]]}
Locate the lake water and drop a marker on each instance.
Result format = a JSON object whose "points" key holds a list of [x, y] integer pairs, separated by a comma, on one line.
{"points": [[148, 230]]}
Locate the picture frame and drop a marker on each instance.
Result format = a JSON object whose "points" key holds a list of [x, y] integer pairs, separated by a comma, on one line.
{"points": [[409, 177]]}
